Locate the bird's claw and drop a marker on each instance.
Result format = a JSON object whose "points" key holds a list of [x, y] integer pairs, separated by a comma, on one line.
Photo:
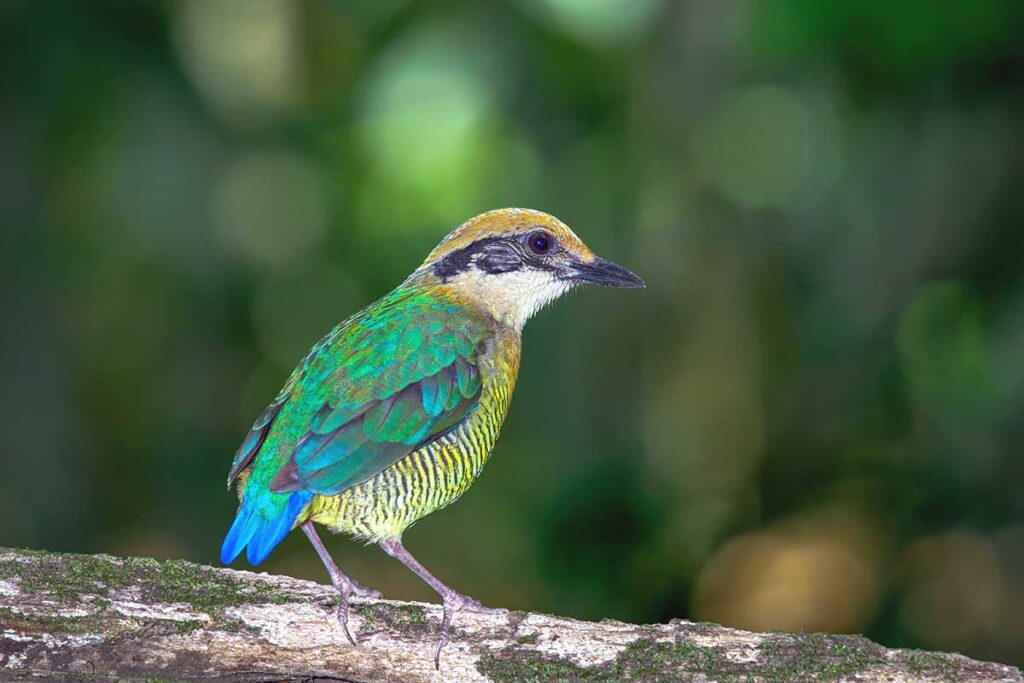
{"points": [[456, 602], [442, 637], [342, 615], [345, 590]]}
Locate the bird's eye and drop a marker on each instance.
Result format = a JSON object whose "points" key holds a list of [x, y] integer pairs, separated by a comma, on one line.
{"points": [[540, 242]]}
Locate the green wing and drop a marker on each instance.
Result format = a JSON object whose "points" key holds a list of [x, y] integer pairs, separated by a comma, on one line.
{"points": [[392, 378]]}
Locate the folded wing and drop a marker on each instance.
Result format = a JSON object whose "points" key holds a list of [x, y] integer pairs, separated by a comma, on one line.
{"points": [[404, 378]]}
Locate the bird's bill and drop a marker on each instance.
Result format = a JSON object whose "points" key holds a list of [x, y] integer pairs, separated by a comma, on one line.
{"points": [[601, 271]]}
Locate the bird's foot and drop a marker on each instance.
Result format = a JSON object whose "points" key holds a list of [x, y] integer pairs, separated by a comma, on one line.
{"points": [[345, 586], [345, 590], [457, 602]]}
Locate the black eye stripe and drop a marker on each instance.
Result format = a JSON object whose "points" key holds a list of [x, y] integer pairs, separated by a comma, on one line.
{"points": [[462, 259], [499, 259], [496, 254]]}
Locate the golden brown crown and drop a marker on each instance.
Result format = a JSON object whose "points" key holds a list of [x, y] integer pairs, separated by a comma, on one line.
{"points": [[504, 222]]}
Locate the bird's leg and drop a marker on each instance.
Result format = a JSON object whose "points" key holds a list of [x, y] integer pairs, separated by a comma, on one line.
{"points": [[452, 599], [332, 569], [343, 584]]}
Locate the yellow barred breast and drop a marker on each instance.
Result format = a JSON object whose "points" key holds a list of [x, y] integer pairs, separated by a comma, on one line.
{"points": [[435, 475]]}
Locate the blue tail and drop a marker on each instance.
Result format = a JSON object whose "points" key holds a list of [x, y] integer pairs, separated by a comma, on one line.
{"points": [[260, 533]]}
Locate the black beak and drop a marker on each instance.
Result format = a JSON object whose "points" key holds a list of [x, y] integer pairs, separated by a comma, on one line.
{"points": [[600, 271]]}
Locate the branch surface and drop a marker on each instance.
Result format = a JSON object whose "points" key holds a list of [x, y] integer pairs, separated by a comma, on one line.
{"points": [[99, 618]]}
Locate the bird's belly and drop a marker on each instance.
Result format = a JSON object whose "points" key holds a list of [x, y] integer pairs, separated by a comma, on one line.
{"points": [[422, 482]]}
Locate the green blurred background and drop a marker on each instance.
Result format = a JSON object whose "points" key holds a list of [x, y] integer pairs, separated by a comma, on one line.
{"points": [[811, 419]]}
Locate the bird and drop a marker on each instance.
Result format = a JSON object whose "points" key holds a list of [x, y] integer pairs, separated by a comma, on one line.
{"points": [[394, 413]]}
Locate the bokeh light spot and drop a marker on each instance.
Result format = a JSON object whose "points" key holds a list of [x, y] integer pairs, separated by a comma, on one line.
{"points": [[433, 132], [244, 56], [815, 575], [428, 99], [756, 149], [601, 22], [271, 207]]}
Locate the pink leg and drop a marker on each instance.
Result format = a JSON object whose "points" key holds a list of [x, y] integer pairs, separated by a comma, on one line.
{"points": [[452, 599]]}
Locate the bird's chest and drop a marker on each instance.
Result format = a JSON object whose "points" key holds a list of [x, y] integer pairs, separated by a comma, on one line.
{"points": [[440, 472]]}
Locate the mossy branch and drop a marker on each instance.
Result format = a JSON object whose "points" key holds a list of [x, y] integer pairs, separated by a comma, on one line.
{"points": [[95, 617]]}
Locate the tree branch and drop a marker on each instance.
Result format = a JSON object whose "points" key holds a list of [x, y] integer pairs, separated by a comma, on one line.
{"points": [[95, 617]]}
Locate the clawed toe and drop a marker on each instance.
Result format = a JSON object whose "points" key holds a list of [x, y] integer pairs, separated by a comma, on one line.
{"points": [[344, 585], [456, 602], [442, 636], [342, 616], [344, 592]]}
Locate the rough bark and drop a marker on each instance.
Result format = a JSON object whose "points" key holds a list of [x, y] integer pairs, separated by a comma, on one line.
{"points": [[95, 617]]}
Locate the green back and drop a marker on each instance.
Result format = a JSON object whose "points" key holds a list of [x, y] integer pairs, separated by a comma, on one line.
{"points": [[394, 376]]}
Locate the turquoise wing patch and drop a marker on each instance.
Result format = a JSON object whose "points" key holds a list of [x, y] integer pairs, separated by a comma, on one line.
{"points": [[408, 374]]}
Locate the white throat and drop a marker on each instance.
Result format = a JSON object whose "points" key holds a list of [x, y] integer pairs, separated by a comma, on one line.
{"points": [[512, 298]]}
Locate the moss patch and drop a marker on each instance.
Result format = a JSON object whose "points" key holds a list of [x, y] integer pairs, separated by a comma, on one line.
{"points": [[44, 623], [409, 619], [89, 580], [97, 622], [784, 658], [408, 615], [936, 665], [70, 577], [529, 666], [236, 626], [818, 656], [644, 659]]}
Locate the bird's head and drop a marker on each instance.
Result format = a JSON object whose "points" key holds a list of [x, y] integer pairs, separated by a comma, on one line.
{"points": [[513, 262]]}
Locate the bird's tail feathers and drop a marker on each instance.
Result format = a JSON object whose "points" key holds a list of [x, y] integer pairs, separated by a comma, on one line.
{"points": [[259, 527]]}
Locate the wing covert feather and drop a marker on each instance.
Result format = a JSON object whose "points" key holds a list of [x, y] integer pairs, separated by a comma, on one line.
{"points": [[402, 374]]}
